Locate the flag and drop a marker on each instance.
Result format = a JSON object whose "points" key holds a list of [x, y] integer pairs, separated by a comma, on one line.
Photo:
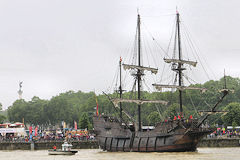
{"points": [[97, 105], [30, 130], [36, 131], [190, 117], [75, 125]]}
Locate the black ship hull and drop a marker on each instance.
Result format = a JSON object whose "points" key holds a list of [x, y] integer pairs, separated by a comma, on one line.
{"points": [[173, 136]]}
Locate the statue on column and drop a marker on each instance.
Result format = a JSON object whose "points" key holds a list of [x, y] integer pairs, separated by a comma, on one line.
{"points": [[20, 92]]}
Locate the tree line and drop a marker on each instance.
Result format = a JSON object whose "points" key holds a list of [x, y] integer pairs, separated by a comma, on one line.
{"points": [[80, 107]]}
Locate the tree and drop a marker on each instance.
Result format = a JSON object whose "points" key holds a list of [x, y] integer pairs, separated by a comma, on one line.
{"points": [[70, 106], [2, 118], [84, 121], [173, 110], [0, 106], [233, 115], [153, 118]]}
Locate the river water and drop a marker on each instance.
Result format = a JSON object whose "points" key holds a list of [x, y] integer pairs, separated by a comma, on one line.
{"points": [[95, 154]]}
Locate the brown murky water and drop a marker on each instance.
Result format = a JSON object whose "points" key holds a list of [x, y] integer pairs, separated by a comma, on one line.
{"points": [[95, 154]]}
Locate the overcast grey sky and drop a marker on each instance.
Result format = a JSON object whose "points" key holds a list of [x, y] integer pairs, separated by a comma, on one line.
{"points": [[60, 45]]}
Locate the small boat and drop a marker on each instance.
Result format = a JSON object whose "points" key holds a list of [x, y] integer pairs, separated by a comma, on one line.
{"points": [[66, 150]]}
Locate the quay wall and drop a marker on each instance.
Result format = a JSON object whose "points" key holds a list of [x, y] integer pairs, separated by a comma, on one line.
{"points": [[46, 145], [219, 142], [213, 142]]}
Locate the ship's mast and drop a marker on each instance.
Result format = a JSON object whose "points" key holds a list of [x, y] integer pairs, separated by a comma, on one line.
{"points": [[120, 87], [179, 69], [139, 73], [177, 66], [138, 77]]}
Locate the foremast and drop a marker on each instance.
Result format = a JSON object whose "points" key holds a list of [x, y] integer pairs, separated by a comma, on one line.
{"points": [[177, 66]]}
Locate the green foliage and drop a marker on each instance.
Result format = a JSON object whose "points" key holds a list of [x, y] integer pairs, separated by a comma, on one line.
{"points": [[234, 124], [153, 118], [84, 121], [233, 115], [67, 107], [76, 106], [2, 118]]}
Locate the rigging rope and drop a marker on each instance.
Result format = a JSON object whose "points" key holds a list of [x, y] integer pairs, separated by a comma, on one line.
{"points": [[195, 51], [155, 41], [193, 104]]}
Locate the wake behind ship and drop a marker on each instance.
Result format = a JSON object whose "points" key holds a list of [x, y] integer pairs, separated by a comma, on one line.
{"points": [[173, 135]]}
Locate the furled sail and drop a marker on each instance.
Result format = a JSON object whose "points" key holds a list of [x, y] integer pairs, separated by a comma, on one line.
{"points": [[201, 112], [192, 63], [118, 100], [161, 86], [141, 68]]}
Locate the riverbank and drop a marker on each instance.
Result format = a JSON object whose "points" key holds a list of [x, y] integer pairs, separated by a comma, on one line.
{"points": [[92, 144], [46, 145], [219, 142]]}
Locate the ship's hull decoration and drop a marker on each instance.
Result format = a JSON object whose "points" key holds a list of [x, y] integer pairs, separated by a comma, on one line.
{"points": [[171, 136]]}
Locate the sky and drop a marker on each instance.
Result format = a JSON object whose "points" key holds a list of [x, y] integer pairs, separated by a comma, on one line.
{"points": [[54, 46]]}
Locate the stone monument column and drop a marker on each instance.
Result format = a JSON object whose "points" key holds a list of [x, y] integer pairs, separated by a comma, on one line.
{"points": [[20, 92]]}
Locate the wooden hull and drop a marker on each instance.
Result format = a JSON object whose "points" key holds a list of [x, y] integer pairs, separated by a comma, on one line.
{"points": [[166, 137]]}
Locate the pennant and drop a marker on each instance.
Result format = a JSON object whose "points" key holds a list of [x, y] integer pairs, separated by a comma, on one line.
{"points": [[30, 130], [36, 131], [75, 125], [190, 117], [97, 106]]}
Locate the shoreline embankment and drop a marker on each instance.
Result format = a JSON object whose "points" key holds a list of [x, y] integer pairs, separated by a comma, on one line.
{"points": [[43, 145], [219, 142]]}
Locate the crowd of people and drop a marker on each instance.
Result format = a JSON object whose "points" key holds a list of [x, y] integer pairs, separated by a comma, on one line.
{"points": [[225, 133], [50, 135]]}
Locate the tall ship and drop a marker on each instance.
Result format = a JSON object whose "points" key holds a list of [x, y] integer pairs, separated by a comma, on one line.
{"points": [[173, 135]]}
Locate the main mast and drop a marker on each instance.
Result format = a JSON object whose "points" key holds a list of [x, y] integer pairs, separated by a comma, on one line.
{"points": [[139, 73], [120, 87], [139, 70], [179, 69]]}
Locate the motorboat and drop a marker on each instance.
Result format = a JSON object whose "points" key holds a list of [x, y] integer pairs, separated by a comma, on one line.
{"points": [[66, 150]]}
